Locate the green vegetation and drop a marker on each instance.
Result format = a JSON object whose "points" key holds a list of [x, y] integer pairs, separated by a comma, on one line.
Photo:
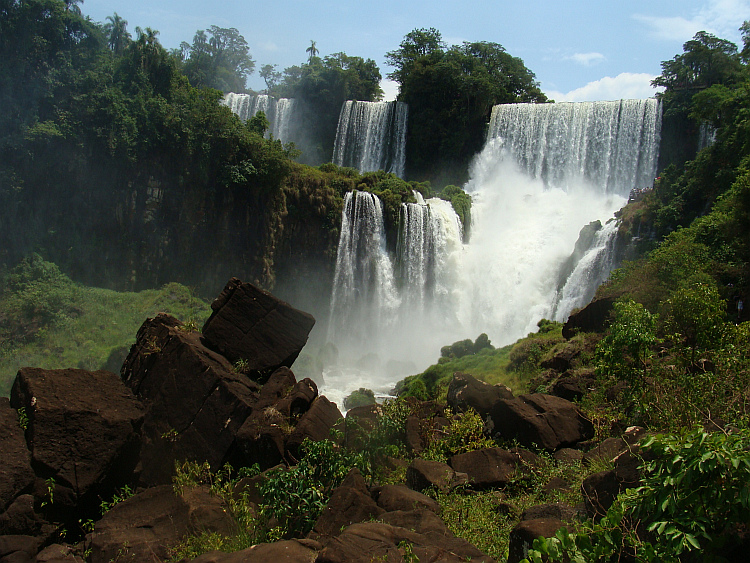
{"points": [[49, 321], [359, 398]]}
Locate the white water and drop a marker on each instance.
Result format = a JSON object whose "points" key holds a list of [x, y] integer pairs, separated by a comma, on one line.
{"points": [[544, 172], [279, 112], [371, 136]]}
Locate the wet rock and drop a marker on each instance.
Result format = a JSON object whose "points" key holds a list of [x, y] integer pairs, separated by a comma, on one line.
{"points": [[465, 391]]}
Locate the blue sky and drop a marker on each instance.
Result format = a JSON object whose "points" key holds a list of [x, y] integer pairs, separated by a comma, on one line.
{"points": [[580, 50]]}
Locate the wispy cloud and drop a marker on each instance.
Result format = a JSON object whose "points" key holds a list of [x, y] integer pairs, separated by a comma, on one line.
{"points": [[269, 46], [626, 85], [586, 59], [720, 17]]}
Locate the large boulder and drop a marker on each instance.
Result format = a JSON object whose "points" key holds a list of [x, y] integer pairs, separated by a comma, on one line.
{"points": [[465, 392], [316, 424], [145, 526], [489, 467], [540, 420], [83, 432], [349, 503], [196, 401], [16, 475], [592, 318], [523, 535], [423, 474], [253, 326]]}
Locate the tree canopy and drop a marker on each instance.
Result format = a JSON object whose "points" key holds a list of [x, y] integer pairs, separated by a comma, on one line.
{"points": [[218, 58]]}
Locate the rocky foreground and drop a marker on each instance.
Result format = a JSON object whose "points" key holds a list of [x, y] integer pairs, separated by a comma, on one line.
{"points": [[72, 438]]}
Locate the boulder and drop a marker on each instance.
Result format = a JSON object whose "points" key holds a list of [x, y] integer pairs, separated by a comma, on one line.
{"points": [[399, 497], [523, 535], [58, 553], [145, 526], [83, 431], [18, 548], [465, 391], [568, 456], [315, 424], [608, 450], [21, 518], [555, 511], [423, 474], [287, 551], [489, 467], [16, 475], [250, 324], [592, 318], [539, 420], [349, 503], [196, 401]]}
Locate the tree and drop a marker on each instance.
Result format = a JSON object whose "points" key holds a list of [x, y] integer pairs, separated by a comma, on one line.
{"points": [[417, 44], [312, 50], [219, 58], [270, 75], [117, 33]]}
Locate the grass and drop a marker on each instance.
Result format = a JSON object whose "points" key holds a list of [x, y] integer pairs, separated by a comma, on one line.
{"points": [[64, 324]]}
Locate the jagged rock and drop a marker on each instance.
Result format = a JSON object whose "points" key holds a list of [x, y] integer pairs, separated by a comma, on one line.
{"points": [[422, 474], [570, 387], [287, 551], [196, 402], [349, 503], [489, 467], [17, 549], [252, 325], [16, 475], [143, 527], [523, 535], [539, 420], [83, 431], [399, 497], [465, 391], [592, 318], [315, 424], [375, 541]]}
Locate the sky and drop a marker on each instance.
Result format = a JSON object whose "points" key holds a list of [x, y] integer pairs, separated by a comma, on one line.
{"points": [[584, 50]]}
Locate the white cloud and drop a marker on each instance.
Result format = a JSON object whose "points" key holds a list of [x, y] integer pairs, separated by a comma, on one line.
{"points": [[269, 46], [626, 85], [720, 17], [586, 59], [390, 90]]}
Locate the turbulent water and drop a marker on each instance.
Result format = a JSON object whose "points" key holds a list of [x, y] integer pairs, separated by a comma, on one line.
{"points": [[545, 172], [279, 111], [371, 136]]}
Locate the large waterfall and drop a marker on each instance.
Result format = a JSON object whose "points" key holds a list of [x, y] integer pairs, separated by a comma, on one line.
{"points": [[545, 172], [372, 136], [279, 111]]}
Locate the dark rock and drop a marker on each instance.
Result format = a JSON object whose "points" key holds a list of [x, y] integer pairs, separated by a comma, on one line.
{"points": [[489, 467], [540, 420], [359, 423], [422, 521], [599, 492], [375, 541], [555, 511], [568, 456], [414, 441], [196, 401], [568, 388], [465, 391], [21, 518], [399, 497], [287, 551], [560, 358], [83, 431], [423, 474], [523, 535], [258, 443], [349, 503], [16, 475], [18, 548], [608, 450], [145, 526], [58, 553], [252, 325], [315, 424], [592, 318], [556, 484]]}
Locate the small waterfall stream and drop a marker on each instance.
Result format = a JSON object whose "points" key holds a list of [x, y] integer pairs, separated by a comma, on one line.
{"points": [[279, 112]]}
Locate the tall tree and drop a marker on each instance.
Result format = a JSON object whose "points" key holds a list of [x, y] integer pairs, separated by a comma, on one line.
{"points": [[218, 58], [270, 75], [118, 36], [312, 50]]}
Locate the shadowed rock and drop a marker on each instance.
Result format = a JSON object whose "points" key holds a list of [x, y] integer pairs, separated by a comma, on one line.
{"points": [[465, 392], [16, 475]]}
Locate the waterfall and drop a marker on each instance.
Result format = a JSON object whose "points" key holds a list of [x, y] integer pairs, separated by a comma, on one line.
{"points": [[279, 112], [544, 172], [371, 136]]}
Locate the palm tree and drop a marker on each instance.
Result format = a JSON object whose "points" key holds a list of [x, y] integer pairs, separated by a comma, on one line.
{"points": [[313, 50], [117, 33]]}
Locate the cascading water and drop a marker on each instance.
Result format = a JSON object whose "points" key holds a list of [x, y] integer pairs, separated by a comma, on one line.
{"points": [[545, 171], [279, 112], [371, 136]]}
